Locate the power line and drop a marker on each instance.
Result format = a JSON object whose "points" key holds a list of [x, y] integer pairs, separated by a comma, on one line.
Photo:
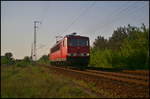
{"points": [[133, 10], [77, 18], [111, 21], [110, 15], [115, 15]]}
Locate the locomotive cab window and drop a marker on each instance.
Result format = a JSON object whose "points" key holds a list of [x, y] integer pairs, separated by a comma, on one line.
{"points": [[78, 42], [72, 42], [83, 42]]}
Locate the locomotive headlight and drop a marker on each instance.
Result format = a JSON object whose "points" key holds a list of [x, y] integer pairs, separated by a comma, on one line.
{"points": [[87, 54]]}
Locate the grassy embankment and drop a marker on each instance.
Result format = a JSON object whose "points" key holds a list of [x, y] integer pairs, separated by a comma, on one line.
{"points": [[35, 81]]}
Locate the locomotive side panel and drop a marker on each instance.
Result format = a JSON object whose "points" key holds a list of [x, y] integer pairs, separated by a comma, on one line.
{"points": [[64, 49], [55, 53]]}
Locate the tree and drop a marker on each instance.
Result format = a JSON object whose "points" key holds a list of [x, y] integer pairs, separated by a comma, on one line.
{"points": [[117, 38], [8, 55], [128, 47], [7, 58], [26, 59], [135, 48], [100, 43]]}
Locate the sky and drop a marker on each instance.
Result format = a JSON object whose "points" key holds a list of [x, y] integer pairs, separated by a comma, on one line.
{"points": [[86, 18]]}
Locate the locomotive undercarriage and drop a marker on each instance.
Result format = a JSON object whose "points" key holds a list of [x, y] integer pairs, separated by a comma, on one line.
{"points": [[79, 62]]}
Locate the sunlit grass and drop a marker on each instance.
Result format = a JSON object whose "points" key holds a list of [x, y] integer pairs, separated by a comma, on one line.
{"points": [[36, 82]]}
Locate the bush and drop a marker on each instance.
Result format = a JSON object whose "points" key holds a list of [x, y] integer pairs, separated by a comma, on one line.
{"points": [[5, 60], [101, 58], [44, 60], [132, 51], [23, 63]]}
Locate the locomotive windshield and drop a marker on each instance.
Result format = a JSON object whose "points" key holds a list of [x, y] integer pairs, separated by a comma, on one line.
{"points": [[78, 42]]}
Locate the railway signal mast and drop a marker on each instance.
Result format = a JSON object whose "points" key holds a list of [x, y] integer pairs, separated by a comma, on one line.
{"points": [[34, 49]]}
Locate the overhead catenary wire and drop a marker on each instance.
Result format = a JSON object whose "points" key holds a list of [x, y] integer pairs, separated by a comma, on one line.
{"points": [[113, 13], [116, 18], [110, 17], [77, 18]]}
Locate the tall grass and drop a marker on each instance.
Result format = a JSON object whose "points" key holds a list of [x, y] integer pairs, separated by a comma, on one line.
{"points": [[36, 82]]}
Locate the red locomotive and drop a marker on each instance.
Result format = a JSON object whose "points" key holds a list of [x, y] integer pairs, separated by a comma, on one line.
{"points": [[72, 50]]}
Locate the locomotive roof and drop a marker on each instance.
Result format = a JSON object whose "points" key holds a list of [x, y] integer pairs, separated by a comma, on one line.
{"points": [[69, 37], [76, 36]]}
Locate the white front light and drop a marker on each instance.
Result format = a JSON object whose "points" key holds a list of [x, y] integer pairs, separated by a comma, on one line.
{"points": [[87, 54]]}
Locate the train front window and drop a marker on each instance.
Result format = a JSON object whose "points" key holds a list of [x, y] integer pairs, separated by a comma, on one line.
{"points": [[82, 42], [72, 42], [77, 42]]}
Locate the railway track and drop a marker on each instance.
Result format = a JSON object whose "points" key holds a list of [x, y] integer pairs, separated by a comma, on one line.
{"points": [[122, 84], [137, 72], [121, 77]]}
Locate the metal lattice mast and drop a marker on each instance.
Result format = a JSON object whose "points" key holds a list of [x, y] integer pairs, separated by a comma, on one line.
{"points": [[34, 52]]}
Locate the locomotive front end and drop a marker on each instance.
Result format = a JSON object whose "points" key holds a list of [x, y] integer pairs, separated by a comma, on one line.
{"points": [[78, 50]]}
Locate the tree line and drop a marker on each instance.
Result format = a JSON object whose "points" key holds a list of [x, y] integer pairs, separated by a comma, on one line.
{"points": [[8, 59], [128, 47]]}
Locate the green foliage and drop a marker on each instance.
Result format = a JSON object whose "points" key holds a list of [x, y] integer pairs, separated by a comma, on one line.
{"points": [[136, 48], [4, 60], [100, 43], [25, 62], [127, 48], [101, 58], [7, 59], [44, 60]]}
